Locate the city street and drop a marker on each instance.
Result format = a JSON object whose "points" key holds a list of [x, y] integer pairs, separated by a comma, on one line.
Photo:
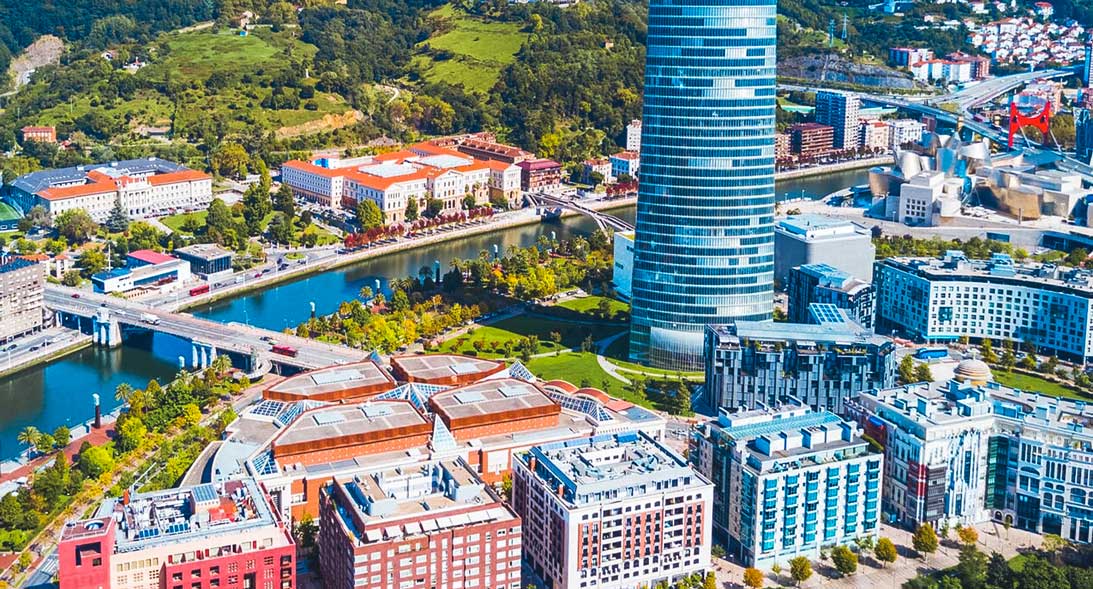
{"points": [[27, 349]]}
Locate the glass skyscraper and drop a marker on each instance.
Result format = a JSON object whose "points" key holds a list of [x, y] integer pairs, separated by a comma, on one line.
{"points": [[704, 246]]}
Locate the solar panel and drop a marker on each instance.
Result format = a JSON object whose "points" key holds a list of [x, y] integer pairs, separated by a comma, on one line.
{"points": [[264, 464], [329, 418], [268, 408], [518, 370], [289, 415], [336, 376], [205, 494], [509, 391], [465, 368], [374, 411], [468, 397]]}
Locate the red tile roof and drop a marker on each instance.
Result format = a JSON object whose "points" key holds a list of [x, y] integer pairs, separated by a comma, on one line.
{"points": [[151, 257], [176, 177]]}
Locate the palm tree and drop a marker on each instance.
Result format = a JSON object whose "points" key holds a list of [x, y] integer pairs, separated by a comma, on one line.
{"points": [[29, 436], [124, 392]]}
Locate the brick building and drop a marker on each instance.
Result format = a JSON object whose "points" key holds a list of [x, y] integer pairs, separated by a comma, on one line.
{"points": [[434, 525], [811, 139], [225, 535], [540, 174], [436, 405], [616, 511]]}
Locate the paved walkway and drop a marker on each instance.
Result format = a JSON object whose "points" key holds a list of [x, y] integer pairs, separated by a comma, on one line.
{"points": [[871, 575]]}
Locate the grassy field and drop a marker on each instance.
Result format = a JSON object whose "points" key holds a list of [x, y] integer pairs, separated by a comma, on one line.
{"points": [[1030, 383], [468, 50], [590, 305], [493, 337], [175, 222], [198, 55], [581, 368], [7, 212]]}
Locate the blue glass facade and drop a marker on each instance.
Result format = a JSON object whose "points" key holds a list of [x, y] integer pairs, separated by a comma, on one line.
{"points": [[704, 245]]}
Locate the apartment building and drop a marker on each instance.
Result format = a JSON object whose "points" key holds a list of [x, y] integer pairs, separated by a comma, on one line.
{"points": [[875, 135], [811, 139], [21, 296], [625, 162], [791, 481], [145, 188], [39, 134], [971, 450], [223, 535], [633, 136], [820, 283], [943, 299], [841, 112], [433, 525], [750, 364], [904, 131], [613, 512]]}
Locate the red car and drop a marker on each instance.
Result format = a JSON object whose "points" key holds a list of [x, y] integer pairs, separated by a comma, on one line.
{"points": [[75, 295]]}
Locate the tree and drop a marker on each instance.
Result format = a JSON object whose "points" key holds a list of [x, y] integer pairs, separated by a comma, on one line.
{"points": [[131, 433], [925, 540], [29, 436], [967, 534], [44, 443], [710, 582], [38, 216], [62, 436], [191, 415], [800, 568], [433, 207], [971, 568], [71, 278], [906, 370], [753, 578], [717, 551], [284, 202], [306, 531], [1038, 573], [949, 583], [369, 214], [230, 160], [845, 561], [256, 205], [124, 393], [95, 460], [999, 574], [1053, 543], [411, 210], [922, 373], [92, 261], [118, 221], [75, 225], [987, 348], [885, 551]]}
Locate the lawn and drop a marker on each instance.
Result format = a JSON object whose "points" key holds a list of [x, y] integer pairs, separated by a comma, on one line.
{"points": [[493, 337], [1031, 383], [468, 50], [197, 55], [590, 305], [582, 369], [175, 222]]}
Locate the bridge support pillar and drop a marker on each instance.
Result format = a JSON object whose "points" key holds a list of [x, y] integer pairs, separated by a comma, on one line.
{"points": [[202, 354], [105, 330]]}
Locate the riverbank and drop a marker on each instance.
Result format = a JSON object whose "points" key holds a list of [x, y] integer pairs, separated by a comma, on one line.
{"points": [[885, 160]]}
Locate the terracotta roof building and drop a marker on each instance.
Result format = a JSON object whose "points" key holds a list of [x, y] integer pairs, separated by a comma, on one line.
{"points": [[145, 188]]}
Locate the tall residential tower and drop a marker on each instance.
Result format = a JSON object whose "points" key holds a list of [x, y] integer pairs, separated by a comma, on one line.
{"points": [[704, 245]]}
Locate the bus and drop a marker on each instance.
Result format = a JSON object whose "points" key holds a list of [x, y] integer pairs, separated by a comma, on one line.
{"points": [[199, 290], [284, 350], [931, 353]]}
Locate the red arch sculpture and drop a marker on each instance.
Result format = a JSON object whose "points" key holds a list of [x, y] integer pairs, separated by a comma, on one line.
{"points": [[1041, 120]]}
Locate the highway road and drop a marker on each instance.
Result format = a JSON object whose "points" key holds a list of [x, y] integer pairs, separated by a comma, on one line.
{"points": [[233, 337]]}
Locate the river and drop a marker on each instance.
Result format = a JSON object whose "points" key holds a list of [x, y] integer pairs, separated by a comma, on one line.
{"points": [[59, 393]]}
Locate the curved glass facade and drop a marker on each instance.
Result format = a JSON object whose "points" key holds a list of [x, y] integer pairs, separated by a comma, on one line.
{"points": [[704, 246]]}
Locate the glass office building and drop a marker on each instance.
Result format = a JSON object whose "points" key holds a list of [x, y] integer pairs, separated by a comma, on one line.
{"points": [[704, 246]]}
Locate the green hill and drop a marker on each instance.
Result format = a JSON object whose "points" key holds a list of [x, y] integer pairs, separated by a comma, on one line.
{"points": [[467, 50]]}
